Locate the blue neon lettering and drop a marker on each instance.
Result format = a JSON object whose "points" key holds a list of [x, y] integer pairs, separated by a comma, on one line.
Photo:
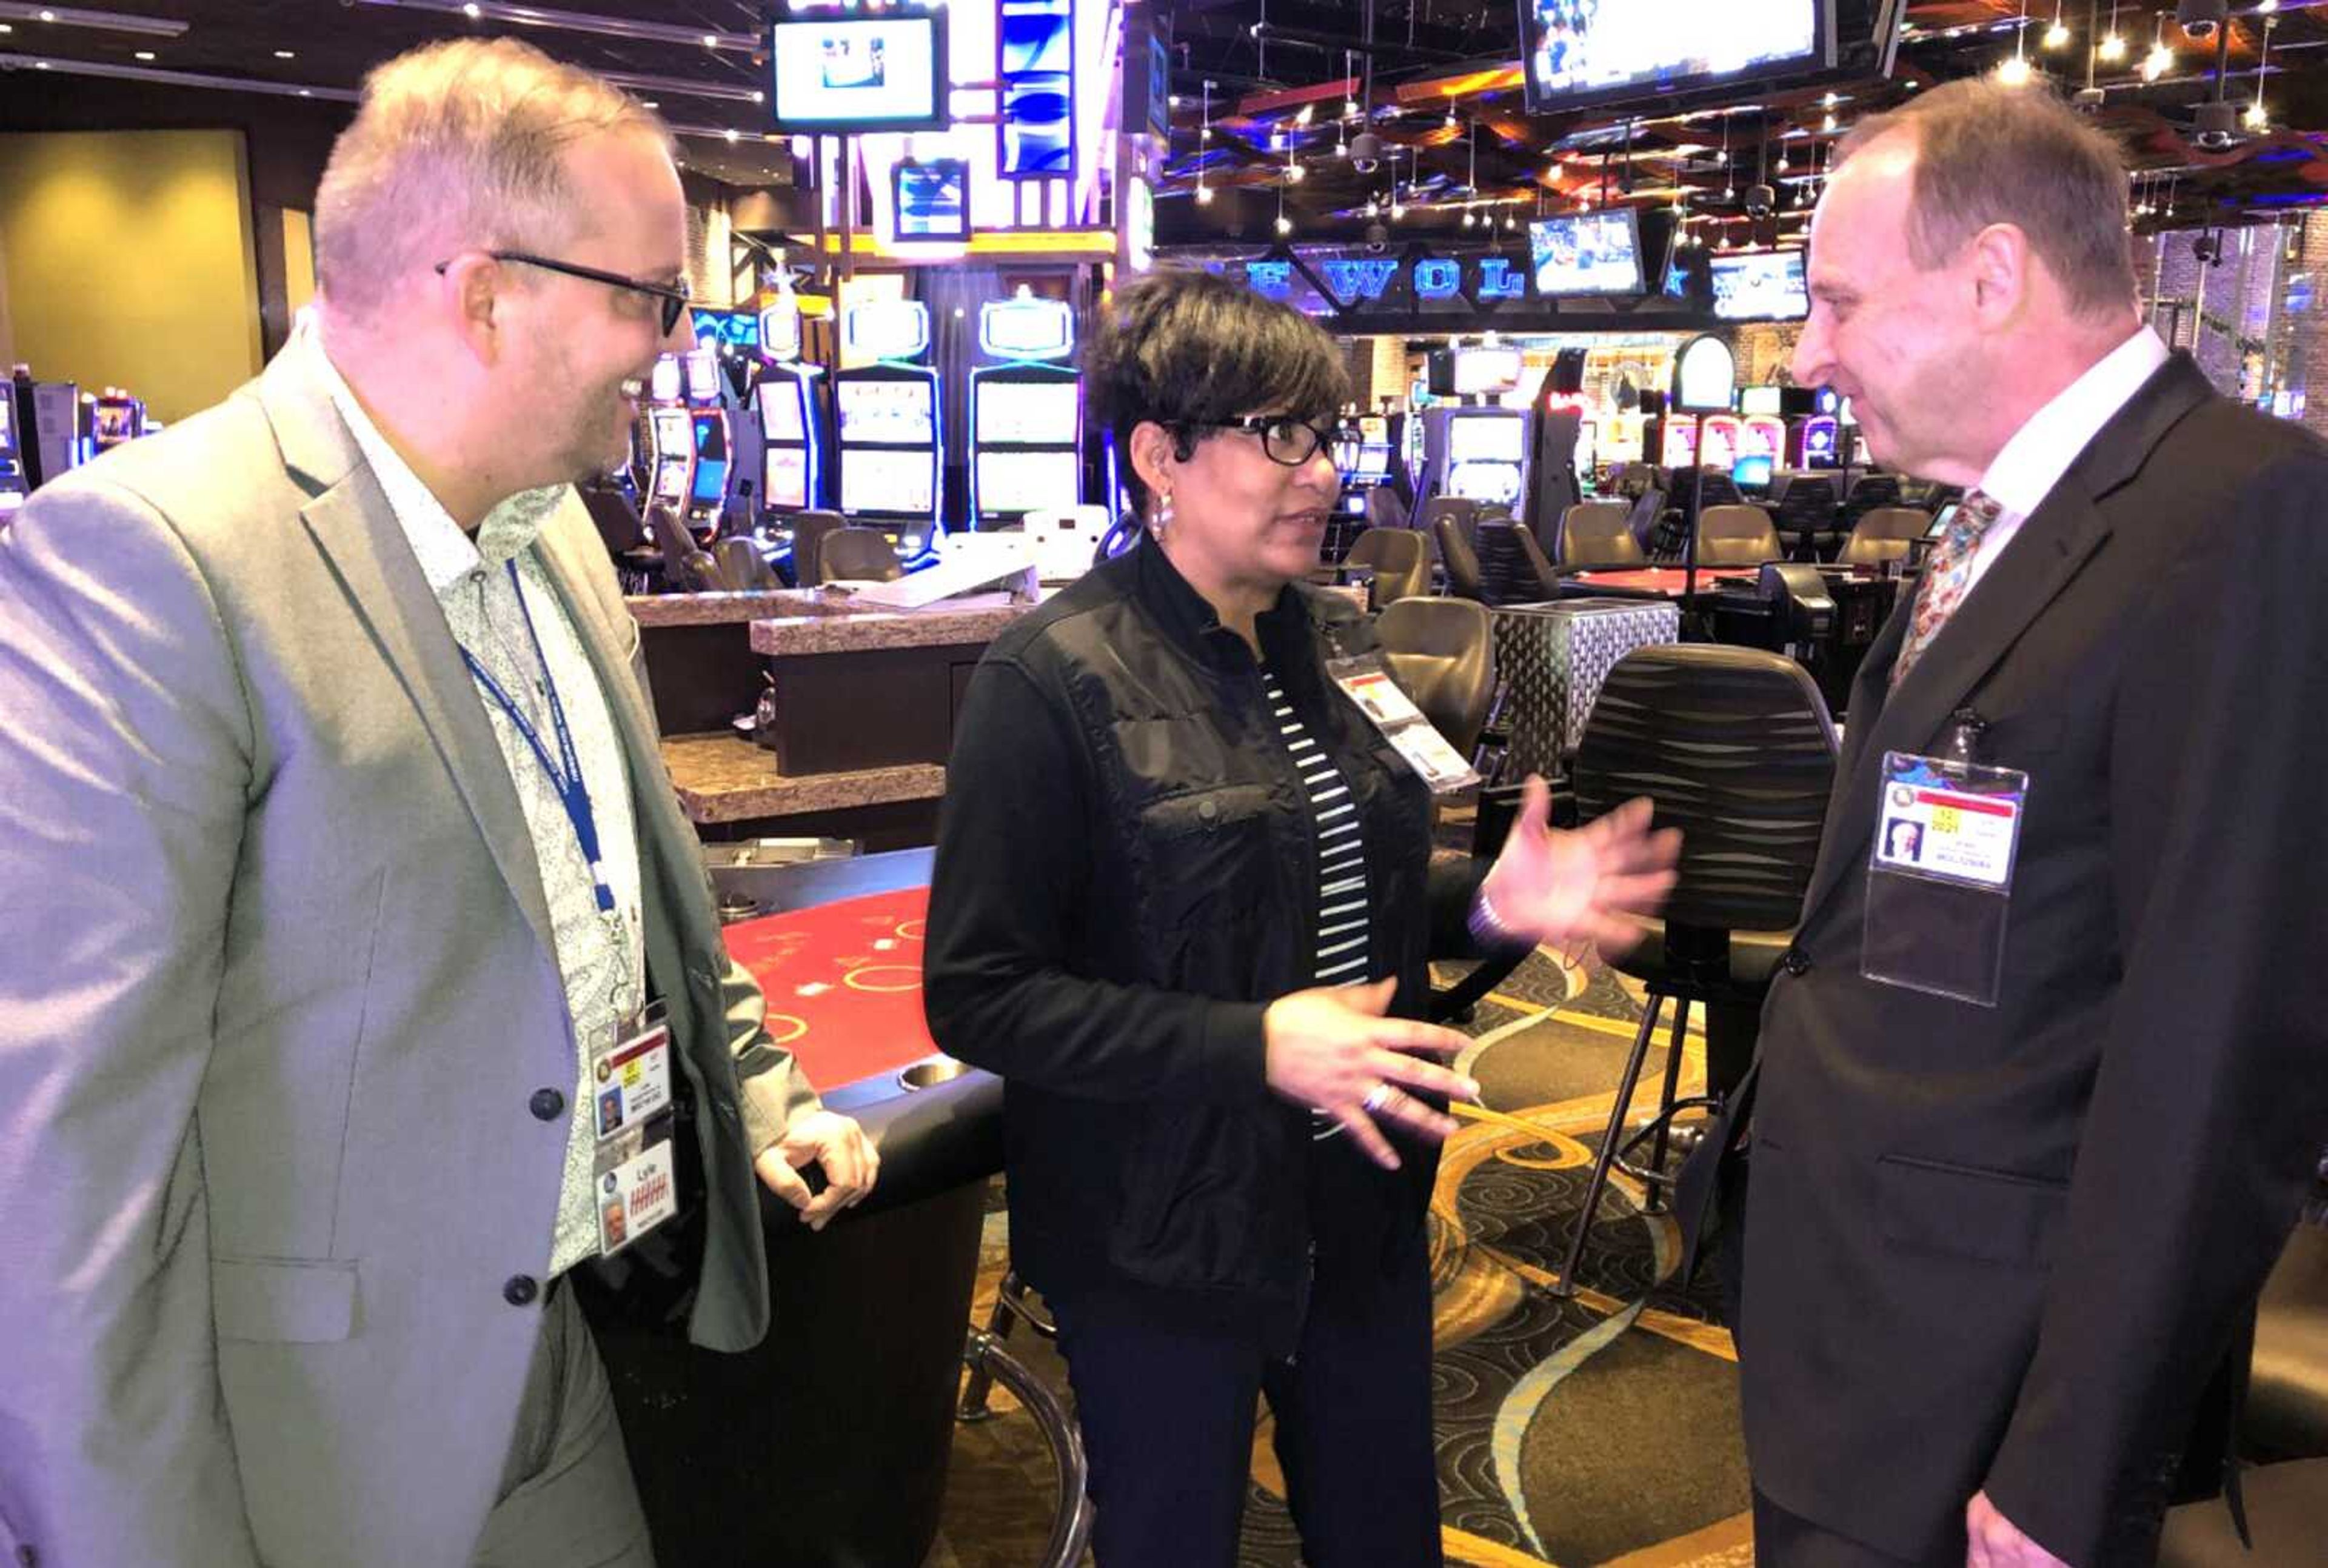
{"points": [[1498, 281], [1274, 278], [1437, 276]]}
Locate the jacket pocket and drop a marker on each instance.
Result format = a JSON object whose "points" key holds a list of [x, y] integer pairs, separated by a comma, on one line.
{"points": [[1194, 1189], [282, 1302], [1209, 856], [1962, 1211]]}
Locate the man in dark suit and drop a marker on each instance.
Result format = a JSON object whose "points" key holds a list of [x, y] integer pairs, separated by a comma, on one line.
{"points": [[1994, 1247]]}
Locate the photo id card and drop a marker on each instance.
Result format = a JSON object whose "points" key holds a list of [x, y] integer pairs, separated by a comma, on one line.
{"points": [[1939, 876], [634, 1188], [1367, 681], [630, 1082]]}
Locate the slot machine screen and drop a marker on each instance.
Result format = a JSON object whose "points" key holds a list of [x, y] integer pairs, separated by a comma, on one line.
{"points": [[1027, 481], [703, 376], [1373, 462], [893, 413], [1485, 438], [1751, 472], [787, 477], [666, 381], [871, 481], [1028, 413], [1487, 481], [7, 414], [780, 409], [710, 482], [671, 479]]}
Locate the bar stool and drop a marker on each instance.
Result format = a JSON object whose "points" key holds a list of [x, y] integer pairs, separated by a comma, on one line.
{"points": [[1735, 747]]}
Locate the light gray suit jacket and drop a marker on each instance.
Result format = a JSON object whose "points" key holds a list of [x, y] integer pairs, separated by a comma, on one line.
{"points": [[275, 989]]}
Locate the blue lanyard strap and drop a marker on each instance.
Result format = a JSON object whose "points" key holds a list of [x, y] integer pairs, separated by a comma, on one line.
{"points": [[565, 770]]}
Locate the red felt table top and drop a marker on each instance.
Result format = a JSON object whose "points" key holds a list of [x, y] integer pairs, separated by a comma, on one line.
{"points": [[843, 982], [1664, 579]]}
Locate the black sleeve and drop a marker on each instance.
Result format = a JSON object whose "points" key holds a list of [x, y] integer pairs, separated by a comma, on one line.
{"points": [[1453, 886], [1013, 884], [2210, 1103]]}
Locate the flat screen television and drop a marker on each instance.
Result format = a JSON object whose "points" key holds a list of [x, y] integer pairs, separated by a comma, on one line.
{"points": [[1035, 71], [1574, 53], [850, 72], [1586, 253], [1028, 413], [1029, 481], [895, 413], [1486, 439], [1761, 286], [1761, 399], [1485, 369], [932, 198], [786, 477], [876, 482], [780, 409]]}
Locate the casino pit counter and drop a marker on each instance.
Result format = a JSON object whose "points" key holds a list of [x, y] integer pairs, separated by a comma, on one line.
{"points": [[828, 1443]]}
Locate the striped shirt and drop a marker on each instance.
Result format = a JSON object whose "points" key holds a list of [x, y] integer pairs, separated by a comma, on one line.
{"points": [[1343, 932]]}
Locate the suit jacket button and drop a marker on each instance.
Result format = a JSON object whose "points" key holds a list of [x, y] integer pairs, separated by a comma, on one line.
{"points": [[547, 1104], [1796, 962], [520, 1290]]}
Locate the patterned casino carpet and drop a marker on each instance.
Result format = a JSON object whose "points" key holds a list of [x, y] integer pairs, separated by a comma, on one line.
{"points": [[1602, 1428]]}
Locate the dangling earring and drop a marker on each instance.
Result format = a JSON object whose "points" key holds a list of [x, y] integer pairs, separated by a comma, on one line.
{"points": [[1163, 519]]}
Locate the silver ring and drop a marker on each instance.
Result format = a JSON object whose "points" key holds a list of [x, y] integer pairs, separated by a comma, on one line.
{"points": [[1377, 1098]]}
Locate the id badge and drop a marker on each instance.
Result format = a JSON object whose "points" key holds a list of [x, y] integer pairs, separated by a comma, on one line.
{"points": [[631, 1112], [1939, 876], [1367, 681]]}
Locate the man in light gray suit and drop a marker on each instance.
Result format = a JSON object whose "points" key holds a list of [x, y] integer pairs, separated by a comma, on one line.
{"points": [[337, 868]]}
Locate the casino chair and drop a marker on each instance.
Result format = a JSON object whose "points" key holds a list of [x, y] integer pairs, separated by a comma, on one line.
{"points": [[686, 567], [1806, 517], [1888, 534], [1462, 510], [1464, 580], [1386, 510], [1545, 576], [741, 568], [1736, 536], [1402, 565], [1868, 492], [1441, 651], [809, 531], [858, 555], [1735, 748], [1600, 533], [1641, 522]]}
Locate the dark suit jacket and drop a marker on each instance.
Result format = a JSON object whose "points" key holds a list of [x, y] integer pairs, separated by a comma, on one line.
{"points": [[2003, 1247]]}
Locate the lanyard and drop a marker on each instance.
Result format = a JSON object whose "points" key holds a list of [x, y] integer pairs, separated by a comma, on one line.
{"points": [[565, 771]]}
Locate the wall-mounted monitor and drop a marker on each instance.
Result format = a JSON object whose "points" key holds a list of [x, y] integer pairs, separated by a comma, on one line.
{"points": [[1574, 54], [931, 198], [894, 413], [1035, 68], [851, 72], [1481, 370], [1586, 253], [1028, 413], [881, 483], [1761, 286], [1029, 481]]}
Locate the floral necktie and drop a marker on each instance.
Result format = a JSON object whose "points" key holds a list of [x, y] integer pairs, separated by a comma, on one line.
{"points": [[1947, 578]]}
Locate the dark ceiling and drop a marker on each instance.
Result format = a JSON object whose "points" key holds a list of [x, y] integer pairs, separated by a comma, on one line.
{"points": [[1443, 94]]}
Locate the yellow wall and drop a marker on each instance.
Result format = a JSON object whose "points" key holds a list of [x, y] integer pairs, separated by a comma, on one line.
{"points": [[128, 260], [298, 261]]}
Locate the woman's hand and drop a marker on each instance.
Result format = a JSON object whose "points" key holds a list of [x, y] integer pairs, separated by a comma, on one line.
{"points": [[1585, 887], [1332, 1048]]}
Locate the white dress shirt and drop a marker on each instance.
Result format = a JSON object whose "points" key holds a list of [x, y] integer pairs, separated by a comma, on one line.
{"points": [[605, 973], [2030, 464]]}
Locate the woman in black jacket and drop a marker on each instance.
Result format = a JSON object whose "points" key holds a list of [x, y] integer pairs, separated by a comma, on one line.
{"points": [[1184, 903]]}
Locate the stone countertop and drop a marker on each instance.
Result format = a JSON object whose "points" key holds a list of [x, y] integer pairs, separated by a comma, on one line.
{"points": [[725, 778], [652, 610], [863, 631]]}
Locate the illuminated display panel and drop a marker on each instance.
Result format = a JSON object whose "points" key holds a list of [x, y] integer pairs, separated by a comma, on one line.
{"points": [[858, 74], [1027, 481], [1576, 51], [1028, 412], [1036, 75], [703, 375], [1761, 286], [1487, 370], [780, 409], [876, 482], [787, 476], [1485, 438], [932, 199], [1586, 253], [664, 384], [894, 413]]}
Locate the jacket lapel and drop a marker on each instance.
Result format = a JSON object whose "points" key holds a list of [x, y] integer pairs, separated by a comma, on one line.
{"points": [[2052, 546], [351, 524]]}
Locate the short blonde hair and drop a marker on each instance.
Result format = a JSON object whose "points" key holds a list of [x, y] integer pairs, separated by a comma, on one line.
{"points": [[1988, 153], [458, 144]]}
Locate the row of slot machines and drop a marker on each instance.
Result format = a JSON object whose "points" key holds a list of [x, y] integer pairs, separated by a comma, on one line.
{"points": [[741, 443], [1475, 453], [48, 427], [1777, 428]]}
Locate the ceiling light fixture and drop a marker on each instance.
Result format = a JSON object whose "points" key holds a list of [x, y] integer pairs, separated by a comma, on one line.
{"points": [[2057, 36], [103, 21], [2160, 58], [2258, 119], [2016, 73], [2113, 47], [1204, 134]]}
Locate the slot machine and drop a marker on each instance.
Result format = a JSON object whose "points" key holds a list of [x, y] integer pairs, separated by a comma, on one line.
{"points": [[1718, 446], [711, 431], [792, 432], [114, 418], [1679, 447], [13, 485], [1026, 412], [1814, 439], [888, 419], [1481, 453], [47, 427]]}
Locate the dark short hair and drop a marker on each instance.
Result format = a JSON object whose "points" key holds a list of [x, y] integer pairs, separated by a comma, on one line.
{"points": [[1185, 349], [1987, 153]]}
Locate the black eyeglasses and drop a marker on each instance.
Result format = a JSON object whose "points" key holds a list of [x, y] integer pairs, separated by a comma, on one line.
{"points": [[673, 296], [1284, 438]]}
